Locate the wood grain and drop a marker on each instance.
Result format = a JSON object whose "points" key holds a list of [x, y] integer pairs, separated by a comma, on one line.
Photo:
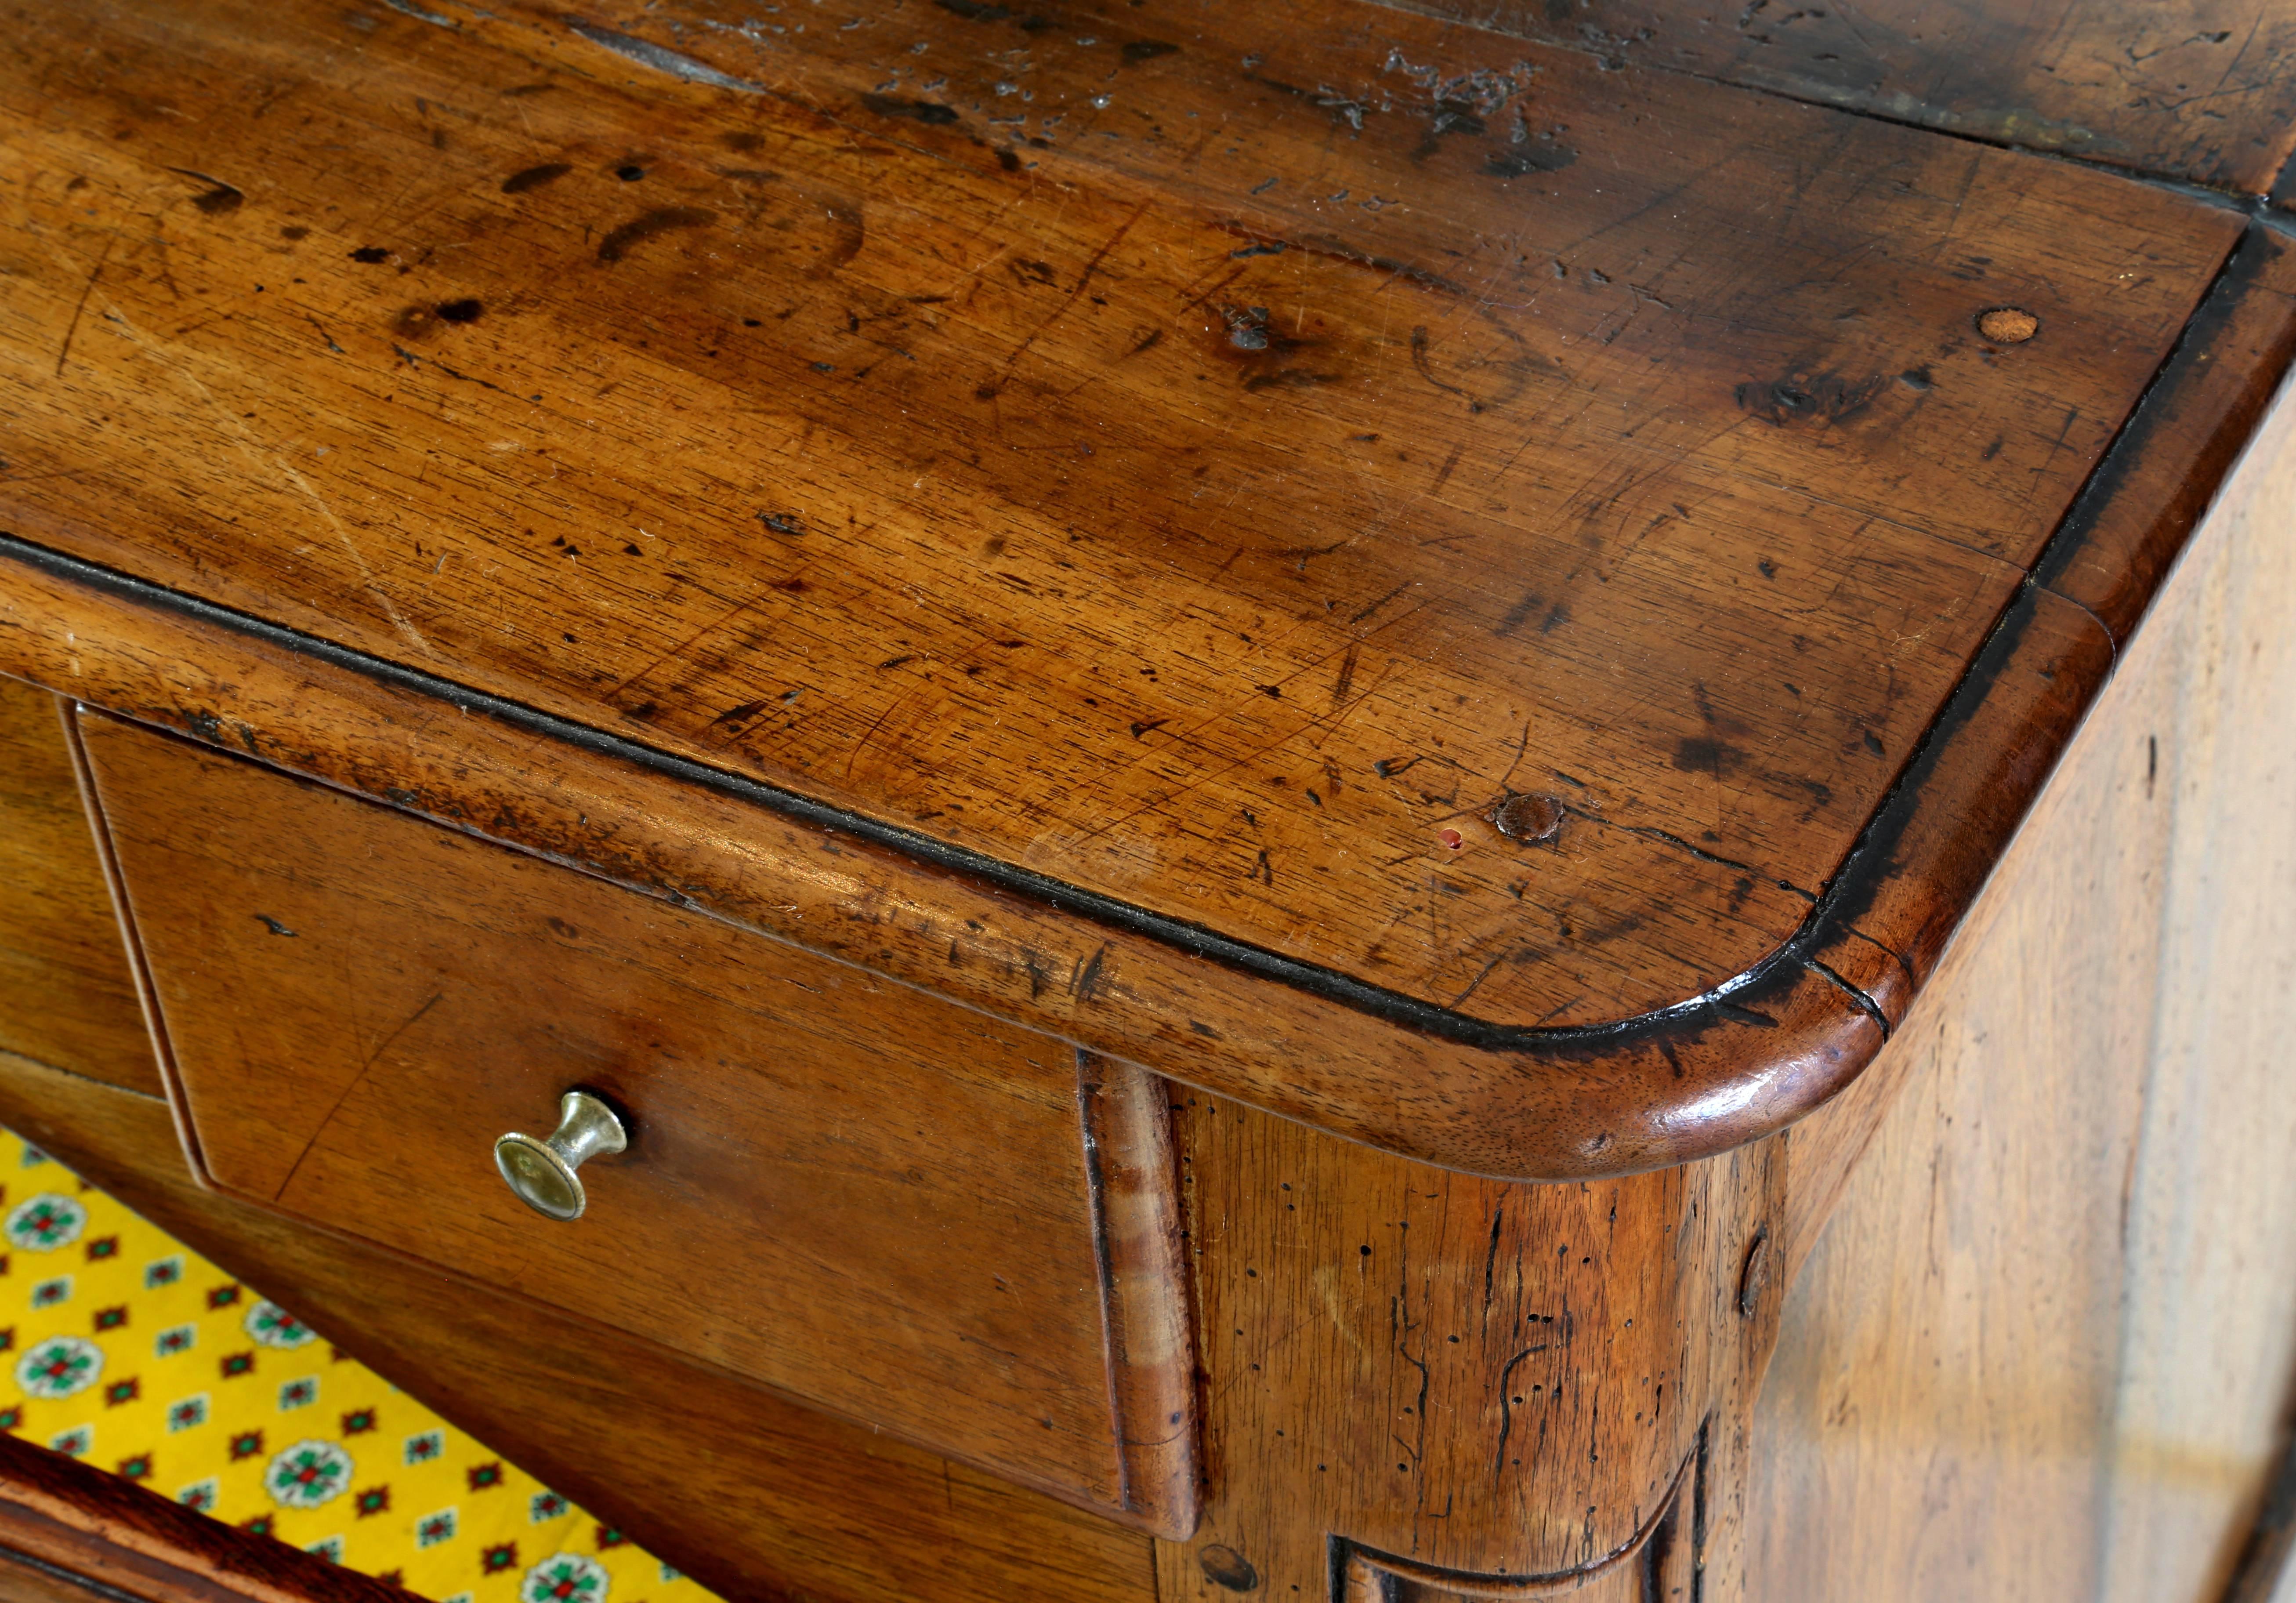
{"points": [[854, 1192], [2099, 1068], [71, 1534], [752, 1495], [66, 997], [1469, 1383], [1885, 925], [1206, 523], [1143, 1275], [1660, 1565], [2199, 90], [1696, 1082], [1689, 1084]]}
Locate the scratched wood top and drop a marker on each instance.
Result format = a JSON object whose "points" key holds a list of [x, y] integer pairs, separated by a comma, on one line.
{"points": [[1478, 519], [2203, 91]]}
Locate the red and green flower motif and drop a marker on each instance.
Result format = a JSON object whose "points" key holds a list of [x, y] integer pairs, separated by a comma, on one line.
{"points": [[564, 1578], [307, 1474], [273, 1326], [43, 1223], [62, 1366]]}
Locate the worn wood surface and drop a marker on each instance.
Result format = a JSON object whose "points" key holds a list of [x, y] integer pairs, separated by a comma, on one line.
{"points": [[66, 997], [2199, 90], [853, 1191], [71, 1534], [1210, 523], [1552, 1093], [2047, 1347], [752, 1495], [691, 836], [1461, 1383], [1660, 1565], [1697, 1082]]}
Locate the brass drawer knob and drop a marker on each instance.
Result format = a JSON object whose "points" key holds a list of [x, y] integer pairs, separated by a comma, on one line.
{"points": [[541, 1173]]}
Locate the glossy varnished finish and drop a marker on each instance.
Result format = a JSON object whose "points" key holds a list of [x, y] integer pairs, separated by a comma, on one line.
{"points": [[778, 1500], [1321, 574], [687, 835], [865, 1195], [2199, 90], [1694, 1084], [1632, 902], [1261, 507], [66, 997]]}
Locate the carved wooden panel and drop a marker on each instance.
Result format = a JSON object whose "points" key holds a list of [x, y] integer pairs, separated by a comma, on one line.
{"points": [[1660, 1565]]}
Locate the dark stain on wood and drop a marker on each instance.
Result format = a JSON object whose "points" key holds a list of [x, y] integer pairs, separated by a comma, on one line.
{"points": [[662, 219]]}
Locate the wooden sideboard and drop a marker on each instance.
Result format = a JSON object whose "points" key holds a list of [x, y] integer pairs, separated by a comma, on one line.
{"points": [[1242, 742]]}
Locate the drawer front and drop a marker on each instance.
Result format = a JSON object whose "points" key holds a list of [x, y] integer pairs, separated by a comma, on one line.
{"points": [[66, 997], [849, 1190]]}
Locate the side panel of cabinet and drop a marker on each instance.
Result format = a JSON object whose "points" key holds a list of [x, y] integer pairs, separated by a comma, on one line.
{"points": [[2047, 1347]]}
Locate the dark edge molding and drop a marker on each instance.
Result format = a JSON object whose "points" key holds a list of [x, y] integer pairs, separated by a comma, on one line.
{"points": [[1195, 940], [1829, 993], [1877, 856], [1846, 896]]}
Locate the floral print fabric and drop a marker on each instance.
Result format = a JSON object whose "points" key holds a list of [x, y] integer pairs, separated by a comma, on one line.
{"points": [[122, 1348]]}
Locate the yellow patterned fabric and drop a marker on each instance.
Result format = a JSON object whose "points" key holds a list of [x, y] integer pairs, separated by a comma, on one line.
{"points": [[123, 1349]]}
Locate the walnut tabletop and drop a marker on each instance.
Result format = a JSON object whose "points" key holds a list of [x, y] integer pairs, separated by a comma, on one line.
{"points": [[1496, 588]]}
